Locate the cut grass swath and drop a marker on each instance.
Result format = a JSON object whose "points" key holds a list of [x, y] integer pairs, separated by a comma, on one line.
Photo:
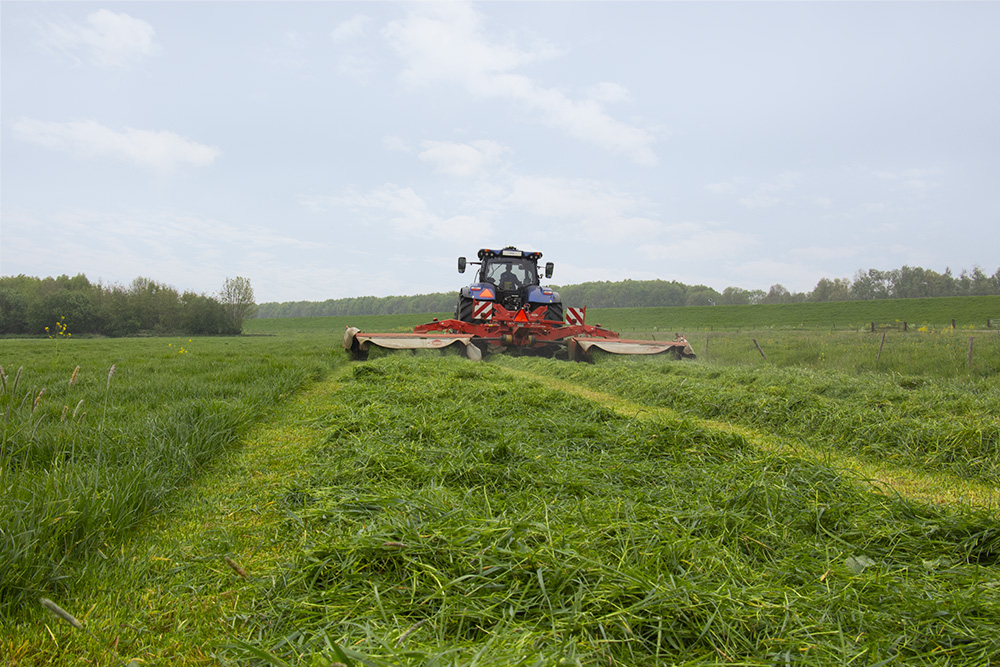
{"points": [[467, 520]]}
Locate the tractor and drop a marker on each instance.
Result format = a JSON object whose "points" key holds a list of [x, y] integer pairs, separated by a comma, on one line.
{"points": [[508, 310], [508, 277]]}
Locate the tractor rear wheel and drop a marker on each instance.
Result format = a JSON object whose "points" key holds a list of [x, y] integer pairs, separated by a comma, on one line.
{"points": [[554, 312]]}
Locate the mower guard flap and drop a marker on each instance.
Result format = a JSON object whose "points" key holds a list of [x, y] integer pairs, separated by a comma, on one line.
{"points": [[358, 342], [619, 346]]}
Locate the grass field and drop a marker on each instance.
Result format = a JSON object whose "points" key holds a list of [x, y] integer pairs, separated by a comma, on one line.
{"points": [[95, 434], [260, 500]]}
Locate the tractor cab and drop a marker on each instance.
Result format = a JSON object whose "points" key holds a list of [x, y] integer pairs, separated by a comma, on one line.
{"points": [[510, 275], [510, 278]]}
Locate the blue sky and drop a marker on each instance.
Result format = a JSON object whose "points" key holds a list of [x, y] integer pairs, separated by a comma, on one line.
{"points": [[335, 149]]}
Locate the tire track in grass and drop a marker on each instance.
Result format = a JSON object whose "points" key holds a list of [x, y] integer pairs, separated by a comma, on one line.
{"points": [[194, 577], [941, 488]]}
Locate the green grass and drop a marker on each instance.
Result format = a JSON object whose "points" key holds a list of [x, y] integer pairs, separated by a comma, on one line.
{"points": [[942, 425], [95, 434], [941, 354], [427, 510], [934, 313], [514, 524]]}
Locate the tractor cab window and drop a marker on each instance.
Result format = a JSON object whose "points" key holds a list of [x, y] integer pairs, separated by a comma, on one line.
{"points": [[510, 274]]}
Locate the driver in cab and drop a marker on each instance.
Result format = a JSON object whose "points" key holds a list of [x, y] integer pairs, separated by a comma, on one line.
{"points": [[508, 279]]}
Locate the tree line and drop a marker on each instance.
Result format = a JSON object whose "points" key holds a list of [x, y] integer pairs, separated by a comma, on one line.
{"points": [[28, 305], [905, 283], [34, 306]]}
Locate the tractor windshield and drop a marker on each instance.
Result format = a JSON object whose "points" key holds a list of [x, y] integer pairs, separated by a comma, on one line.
{"points": [[510, 274]]}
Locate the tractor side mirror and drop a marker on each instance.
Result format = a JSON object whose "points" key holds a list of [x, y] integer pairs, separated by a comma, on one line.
{"points": [[548, 269], [461, 265]]}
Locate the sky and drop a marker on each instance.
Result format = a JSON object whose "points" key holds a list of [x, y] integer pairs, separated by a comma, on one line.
{"points": [[336, 149]]}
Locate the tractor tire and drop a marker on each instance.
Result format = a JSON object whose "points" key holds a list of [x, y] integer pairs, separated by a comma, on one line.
{"points": [[463, 311], [554, 312]]}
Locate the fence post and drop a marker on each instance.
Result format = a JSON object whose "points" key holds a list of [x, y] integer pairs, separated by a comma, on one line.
{"points": [[970, 352], [873, 327], [904, 325], [878, 357], [953, 324], [759, 350]]}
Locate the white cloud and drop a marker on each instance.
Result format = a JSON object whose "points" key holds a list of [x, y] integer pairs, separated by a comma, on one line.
{"points": [[185, 251], [396, 144], [580, 207], [699, 243], [157, 149], [766, 193], [106, 39], [915, 183], [588, 207], [405, 212], [759, 200], [719, 188], [354, 59], [609, 92], [462, 160], [446, 42], [795, 277], [357, 66], [289, 53], [350, 30], [570, 273], [825, 253]]}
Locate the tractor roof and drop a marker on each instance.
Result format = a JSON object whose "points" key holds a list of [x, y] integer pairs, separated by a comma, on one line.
{"points": [[509, 251]]}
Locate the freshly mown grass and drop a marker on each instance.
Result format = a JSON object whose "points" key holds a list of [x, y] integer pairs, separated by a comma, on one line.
{"points": [[452, 513], [931, 424], [453, 516], [95, 435]]}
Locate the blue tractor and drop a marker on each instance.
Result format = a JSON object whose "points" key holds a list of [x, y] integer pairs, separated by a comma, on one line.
{"points": [[508, 277]]}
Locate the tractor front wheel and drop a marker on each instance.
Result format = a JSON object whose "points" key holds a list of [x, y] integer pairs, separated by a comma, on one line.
{"points": [[463, 311]]}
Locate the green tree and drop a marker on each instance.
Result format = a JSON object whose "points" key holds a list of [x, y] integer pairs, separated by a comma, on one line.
{"points": [[13, 311], [838, 289], [238, 300], [205, 315], [118, 312], [734, 296], [777, 294]]}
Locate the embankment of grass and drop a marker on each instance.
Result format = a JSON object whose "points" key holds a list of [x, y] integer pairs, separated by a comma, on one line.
{"points": [[967, 312]]}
